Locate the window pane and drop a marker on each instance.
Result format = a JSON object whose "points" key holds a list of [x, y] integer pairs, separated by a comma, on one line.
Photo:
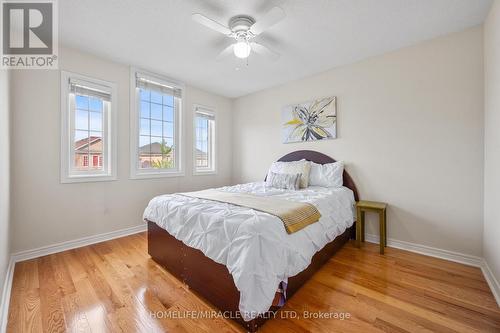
{"points": [[144, 143], [156, 129], [168, 129], [168, 113], [201, 158], [80, 135], [168, 100], [145, 124], [81, 162], [145, 110], [144, 161], [96, 121], [82, 102], [144, 94], [168, 141], [88, 122], [162, 155], [95, 161], [156, 97], [81, 150], [155, 144], [198, 133], [203, 143], [95, 142], [95, 104], [82, 120], [156, 111], [144, 152]]}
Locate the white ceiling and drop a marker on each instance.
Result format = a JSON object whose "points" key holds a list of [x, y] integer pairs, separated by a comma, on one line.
{"points": [[316, 35]]}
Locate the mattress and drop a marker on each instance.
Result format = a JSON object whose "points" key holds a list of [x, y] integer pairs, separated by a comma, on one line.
{"points": [[253, 245]]}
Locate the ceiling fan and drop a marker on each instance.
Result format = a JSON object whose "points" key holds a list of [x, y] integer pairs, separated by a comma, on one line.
{"points": [[243, 29]]}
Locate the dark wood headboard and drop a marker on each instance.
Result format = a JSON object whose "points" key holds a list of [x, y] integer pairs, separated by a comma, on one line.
{"points": [[317, 157]]}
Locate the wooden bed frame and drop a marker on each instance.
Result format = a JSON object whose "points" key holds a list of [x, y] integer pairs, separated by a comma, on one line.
{"points": [[212, 280]]}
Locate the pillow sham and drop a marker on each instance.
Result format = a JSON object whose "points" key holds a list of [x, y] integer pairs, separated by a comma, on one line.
{"points": [[303, 167], [327, 175], [283, 180]]}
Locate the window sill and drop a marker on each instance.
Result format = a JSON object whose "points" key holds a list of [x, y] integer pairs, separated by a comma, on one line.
{"points": [[87, 179], [154, 175], [204, 173]]}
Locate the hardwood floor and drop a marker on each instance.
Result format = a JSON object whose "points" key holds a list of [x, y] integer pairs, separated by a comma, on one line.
{"points": [[114, 286]]}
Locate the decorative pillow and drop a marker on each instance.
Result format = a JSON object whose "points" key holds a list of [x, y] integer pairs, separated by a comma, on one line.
{"points": [[283, 180], [303, 167], [327, 175]]}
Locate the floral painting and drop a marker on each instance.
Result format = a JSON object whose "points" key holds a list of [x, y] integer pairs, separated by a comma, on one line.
{"points": [[310, 121]]}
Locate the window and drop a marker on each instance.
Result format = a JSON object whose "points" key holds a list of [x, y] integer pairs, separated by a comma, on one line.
{"points": [[155, 126], [204, 140], [88, 129]]}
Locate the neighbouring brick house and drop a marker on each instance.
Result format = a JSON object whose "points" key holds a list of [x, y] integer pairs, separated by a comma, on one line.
{"points": [[151, 154], [88, 153]]}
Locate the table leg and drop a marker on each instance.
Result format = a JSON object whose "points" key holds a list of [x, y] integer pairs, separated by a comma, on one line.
{"points": [[382, 232], [358, 228], [385, 228], [363, 226]]}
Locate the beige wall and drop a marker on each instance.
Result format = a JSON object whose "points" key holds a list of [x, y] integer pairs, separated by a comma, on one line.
{"points": [[491, 248], [44, 211], [4, 177], [410, 126]]}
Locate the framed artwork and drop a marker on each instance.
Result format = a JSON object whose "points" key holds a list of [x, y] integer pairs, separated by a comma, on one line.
{"points": [[310, 121]]}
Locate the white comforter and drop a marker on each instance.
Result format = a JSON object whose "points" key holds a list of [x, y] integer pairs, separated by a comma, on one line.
{"points": [[254, 246]]}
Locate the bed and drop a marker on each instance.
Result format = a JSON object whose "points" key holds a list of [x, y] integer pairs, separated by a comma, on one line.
{"points": [[225, 273]]}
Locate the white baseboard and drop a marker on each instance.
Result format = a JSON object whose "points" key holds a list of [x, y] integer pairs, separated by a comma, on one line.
{"points": [[5, 300], [73, 244], [429, 251], [492, 281]]}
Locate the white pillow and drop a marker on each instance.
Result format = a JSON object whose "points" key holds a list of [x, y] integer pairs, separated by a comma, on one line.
{"points": [[327, 175], [302, 167]]}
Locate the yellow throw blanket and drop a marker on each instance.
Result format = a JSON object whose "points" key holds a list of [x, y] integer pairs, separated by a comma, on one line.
{"points": [[295, 215]]}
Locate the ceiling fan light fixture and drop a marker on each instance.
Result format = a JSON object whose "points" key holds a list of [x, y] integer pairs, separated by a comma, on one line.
{"points": [[241, 49]]}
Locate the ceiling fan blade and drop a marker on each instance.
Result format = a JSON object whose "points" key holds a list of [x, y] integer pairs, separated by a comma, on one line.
{"points": [[264, 51], [272, 17], [225, 53], [214, 25]]}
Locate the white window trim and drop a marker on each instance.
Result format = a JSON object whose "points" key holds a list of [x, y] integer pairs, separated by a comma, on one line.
{"points": [[212, 171], [135, 171], [66, 129]]}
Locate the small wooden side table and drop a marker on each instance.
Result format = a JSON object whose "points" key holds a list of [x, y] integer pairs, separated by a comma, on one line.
{"points": [[363, 206]]}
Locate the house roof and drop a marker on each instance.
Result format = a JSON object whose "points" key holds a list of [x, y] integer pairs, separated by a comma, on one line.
{"points": [[154, 148], [84, 143]]}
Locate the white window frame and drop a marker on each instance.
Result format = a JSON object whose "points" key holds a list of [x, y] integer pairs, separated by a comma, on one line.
{"points": [[110, 137], [212, 170], [135, 171]]}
